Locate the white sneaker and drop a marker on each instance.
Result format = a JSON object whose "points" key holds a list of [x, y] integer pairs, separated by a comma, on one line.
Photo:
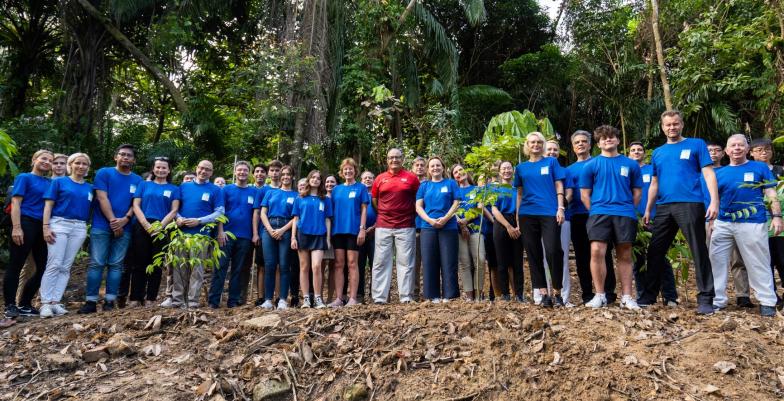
{"points": [[305, 302], [267, 305], [282, 305], [320, 303], [537, 297], [436, 300], [629, 303], [167, 303], [598, 301], [445, 300], [59, 310], [46, 311]]}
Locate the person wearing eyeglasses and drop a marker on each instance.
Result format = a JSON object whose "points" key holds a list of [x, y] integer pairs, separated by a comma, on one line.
{"points": [[394, 196], [110, 234]]}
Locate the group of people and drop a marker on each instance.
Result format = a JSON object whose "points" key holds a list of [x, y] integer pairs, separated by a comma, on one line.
{"points": [[441, 230]]}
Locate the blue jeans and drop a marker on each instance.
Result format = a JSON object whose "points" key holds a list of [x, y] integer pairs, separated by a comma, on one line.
{"points": [[439, 263], [106, 250], [235, 251], [276, 253]]}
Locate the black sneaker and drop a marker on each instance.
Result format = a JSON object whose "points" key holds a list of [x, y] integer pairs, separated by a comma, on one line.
{"points": [[767, 311], [547, 301], [11, 311], [558, 300], [108, 305], [88, 307], [745, 302], [520, 298], [28, 310], [258, 302], [294, 302], [506, 298], [121, 302]]}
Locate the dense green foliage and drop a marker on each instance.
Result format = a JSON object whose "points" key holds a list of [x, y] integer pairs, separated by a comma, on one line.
{"points": [[313, 81]]}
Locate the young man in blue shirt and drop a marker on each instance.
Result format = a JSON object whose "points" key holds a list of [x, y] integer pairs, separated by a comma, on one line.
{"points": [[201, 203], [238, 201], [110, 234], [742, 222], [675, 190], [610, 188]]}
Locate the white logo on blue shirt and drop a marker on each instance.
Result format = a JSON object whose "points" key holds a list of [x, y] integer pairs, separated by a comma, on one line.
{"points": [[352, 194], [444, 190], [250, 200], [544, 170], [748, 177], [133, 189], [290, 201], [89, 196], [646, 178], [321, 206], [685, 153], [205, 196], [167, 193], [624, 171]]}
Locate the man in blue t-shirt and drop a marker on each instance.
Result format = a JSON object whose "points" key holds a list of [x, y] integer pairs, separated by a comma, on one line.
{"points": [[668, 291], [610, 188], [201, 203], [238, 200], [742, 222], [675, 189], [578, 217], [110, 234]]}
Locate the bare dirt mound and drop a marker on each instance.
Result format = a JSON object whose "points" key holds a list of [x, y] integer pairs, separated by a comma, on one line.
{"points": [[454, 351]]}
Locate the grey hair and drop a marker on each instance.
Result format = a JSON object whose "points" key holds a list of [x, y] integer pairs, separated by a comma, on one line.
{"points": [[583, 133]]}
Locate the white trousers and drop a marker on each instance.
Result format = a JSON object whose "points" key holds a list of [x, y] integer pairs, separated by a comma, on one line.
{"points": [[69, 237], [403, 241]]}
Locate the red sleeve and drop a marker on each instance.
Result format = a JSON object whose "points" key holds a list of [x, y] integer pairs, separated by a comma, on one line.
{"points": [[374, 188]]}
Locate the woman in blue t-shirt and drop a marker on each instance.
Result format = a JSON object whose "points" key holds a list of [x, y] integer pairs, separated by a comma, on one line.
{"points": [[277, 220], [437, 200], [540, 209], [350, 201], [310, 235], [155, 201], [27, 209], [471, 250], [366, 250], [66, 211], [507, 239]]}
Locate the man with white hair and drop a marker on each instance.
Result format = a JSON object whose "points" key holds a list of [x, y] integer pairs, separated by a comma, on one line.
{"points": [[741, 222]]}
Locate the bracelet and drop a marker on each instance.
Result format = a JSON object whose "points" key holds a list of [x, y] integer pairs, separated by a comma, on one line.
{"points": [[46, 225], [559, 193], [776, 215], [561, 208], [17, 225]]}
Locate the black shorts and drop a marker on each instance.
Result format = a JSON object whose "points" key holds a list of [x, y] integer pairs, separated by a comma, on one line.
{"points": [[345, 241], [606, 228], [307, 242]]}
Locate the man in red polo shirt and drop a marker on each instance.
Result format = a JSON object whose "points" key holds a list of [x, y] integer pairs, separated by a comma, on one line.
{"points": [[394, 196]]}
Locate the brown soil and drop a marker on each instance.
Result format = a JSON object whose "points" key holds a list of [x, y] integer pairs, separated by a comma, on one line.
{"points": [[454, 351]]}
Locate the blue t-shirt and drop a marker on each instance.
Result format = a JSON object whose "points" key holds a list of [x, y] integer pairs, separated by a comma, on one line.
{"points": [[678, 167], [647, 174], [733, 197], [465, 196], [312, 212], [506, 199], [120, 189], [370, 217], [71, 199], [260, 194], [156, 198], [437, 200], [576, 206], [199, 200], [538, 182], [279, 202], [239, 210], [347, 201], [31, 188], [611, 180]]}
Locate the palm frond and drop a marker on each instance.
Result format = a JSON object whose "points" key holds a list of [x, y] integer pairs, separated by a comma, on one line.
{"points": [[474, 11], [439, 48]]}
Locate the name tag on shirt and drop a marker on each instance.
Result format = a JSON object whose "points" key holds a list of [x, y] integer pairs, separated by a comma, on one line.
{"points": [[444, 190], [685, 153], [133, 189], [205, 197], [167, 193], [89, 196], [290, 201], [624, 171], [250, 200], [646, 178], [352, 194], [544, 170], [748, 177], [321, 206]]}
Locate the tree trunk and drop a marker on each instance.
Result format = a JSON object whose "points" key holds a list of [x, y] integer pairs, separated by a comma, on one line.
{"points": [[660, 54], [142, 58]]}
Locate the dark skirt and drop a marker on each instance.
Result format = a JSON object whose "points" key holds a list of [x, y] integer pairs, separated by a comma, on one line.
{"points": [[307, 242]]}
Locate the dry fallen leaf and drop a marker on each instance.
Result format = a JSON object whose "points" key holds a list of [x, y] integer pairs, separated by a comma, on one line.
{"points": [[710, 389], [724, 367]]}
